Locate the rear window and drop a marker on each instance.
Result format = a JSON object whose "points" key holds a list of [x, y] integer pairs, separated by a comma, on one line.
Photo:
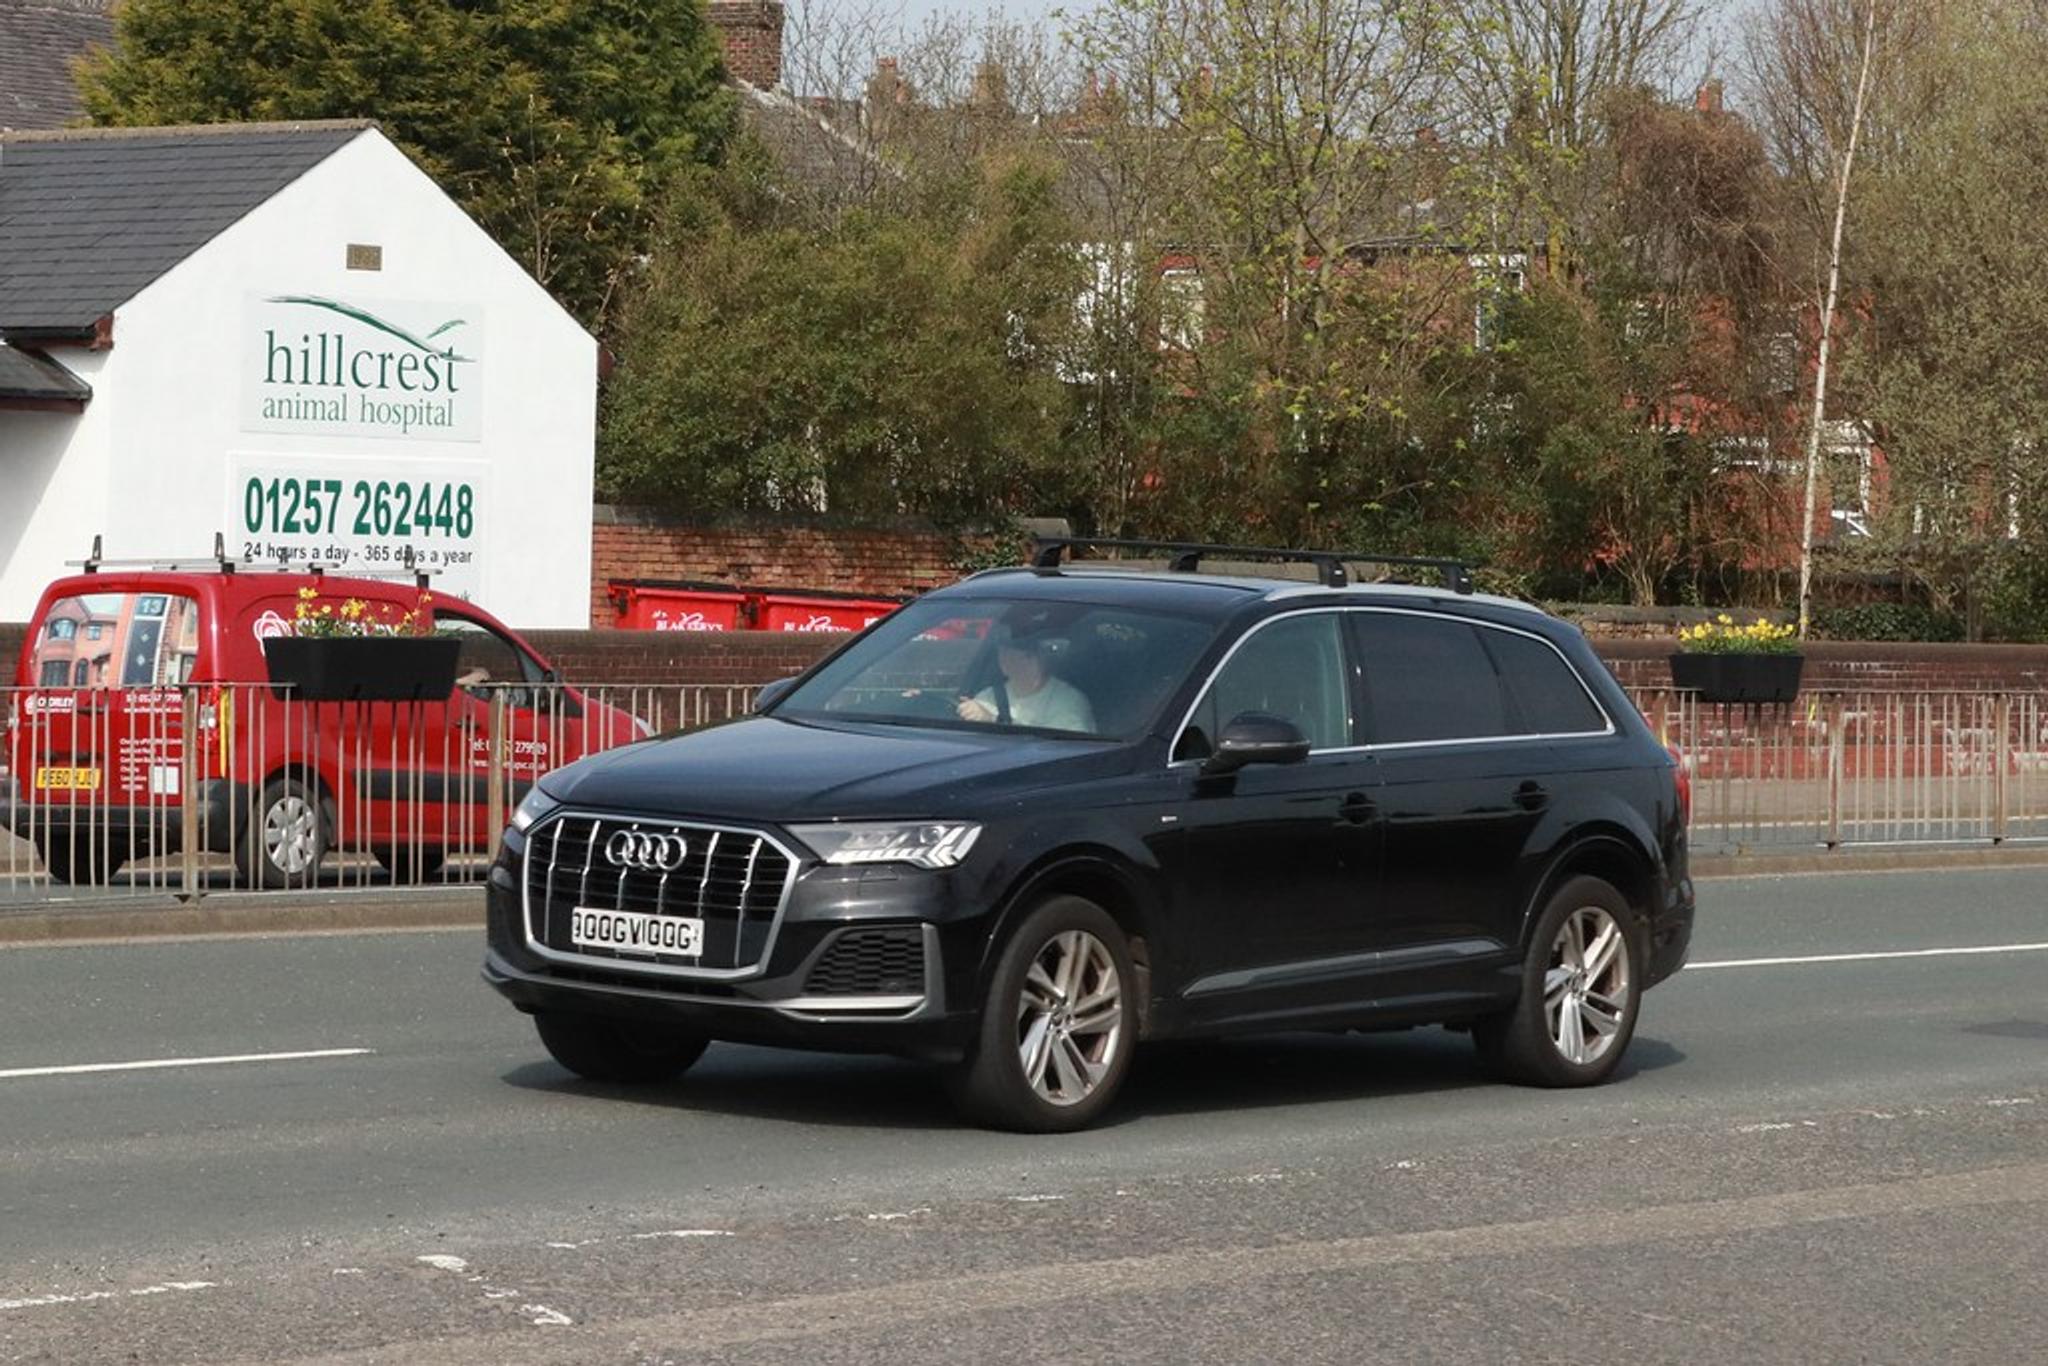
{"points": [[117, 640], [1549, 698]]}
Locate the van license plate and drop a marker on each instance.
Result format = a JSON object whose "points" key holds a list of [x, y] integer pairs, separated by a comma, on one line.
{"points": [[630, 932]]}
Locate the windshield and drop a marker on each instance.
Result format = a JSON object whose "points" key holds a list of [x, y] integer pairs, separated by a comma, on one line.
{"points": [[1073, 668]]}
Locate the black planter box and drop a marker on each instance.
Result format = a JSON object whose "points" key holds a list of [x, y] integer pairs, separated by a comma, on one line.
{"points": [[1739, 678], [363, 668]]}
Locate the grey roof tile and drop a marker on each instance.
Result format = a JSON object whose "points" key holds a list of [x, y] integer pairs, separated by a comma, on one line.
{"points": [[88, 219], [39, 41]]}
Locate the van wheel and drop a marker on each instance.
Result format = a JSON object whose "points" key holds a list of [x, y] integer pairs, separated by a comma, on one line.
{"points": [[602, 1049], [285, 843], [409, 862], [1058, 1026], [1581, 990], [81, 864]]}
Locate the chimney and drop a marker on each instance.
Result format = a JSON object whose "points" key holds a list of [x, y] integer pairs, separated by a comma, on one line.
{"points": [[886, 86], [991, 91], [751, 31], [1708, 100]]}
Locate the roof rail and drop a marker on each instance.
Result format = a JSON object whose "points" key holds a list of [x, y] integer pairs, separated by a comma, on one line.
{"points": [[408, 565], [1185, 557]]}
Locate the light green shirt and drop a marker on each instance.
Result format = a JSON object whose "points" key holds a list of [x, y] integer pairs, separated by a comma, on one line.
{"points": [[1058, 705]]}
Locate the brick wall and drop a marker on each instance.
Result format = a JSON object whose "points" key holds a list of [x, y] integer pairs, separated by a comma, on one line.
{"points": [[684, 657], [621, 658], [673, 657], [1869, 666], [752, 33], [1601, 621], [629, 544]]}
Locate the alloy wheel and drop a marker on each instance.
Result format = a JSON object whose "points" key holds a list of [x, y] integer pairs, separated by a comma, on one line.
{"points": [[1069, 1017], [1586, 988]]}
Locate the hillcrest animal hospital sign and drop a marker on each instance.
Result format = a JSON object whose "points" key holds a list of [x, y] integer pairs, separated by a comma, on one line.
{"points": [[363, 367]]}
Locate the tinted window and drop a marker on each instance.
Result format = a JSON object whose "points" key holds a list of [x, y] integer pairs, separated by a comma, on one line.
{"points": [[1549, 698], [1292, 668], [1428, 678]]}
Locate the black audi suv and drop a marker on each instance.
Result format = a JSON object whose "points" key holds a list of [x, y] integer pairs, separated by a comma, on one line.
{"points": [[1031, 820]]}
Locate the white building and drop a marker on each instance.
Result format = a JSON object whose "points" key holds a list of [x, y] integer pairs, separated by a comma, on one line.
{"points": [[286, 334]]}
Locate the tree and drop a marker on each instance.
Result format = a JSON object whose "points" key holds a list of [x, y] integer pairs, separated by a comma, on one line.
{"points": [[889, 360], [1947, 367], [556, 123]]}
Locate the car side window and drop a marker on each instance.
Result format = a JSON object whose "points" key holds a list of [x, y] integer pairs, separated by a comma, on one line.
{"points": [[1292, 668], [488, 660], [1549, 698], [1428, 678]]}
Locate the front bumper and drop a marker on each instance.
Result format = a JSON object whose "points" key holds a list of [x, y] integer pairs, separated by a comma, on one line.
{"points": [[780, 1003]]}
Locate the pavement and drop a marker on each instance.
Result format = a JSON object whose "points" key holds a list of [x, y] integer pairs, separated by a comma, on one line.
{"points": [[1829, 1143]]}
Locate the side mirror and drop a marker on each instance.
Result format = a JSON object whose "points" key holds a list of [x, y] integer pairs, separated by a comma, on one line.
{"points": [[770, 693], [1255, 738]]}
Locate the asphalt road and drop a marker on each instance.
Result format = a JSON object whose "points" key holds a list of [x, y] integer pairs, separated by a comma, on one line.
{"points": [[1804, 1161]]}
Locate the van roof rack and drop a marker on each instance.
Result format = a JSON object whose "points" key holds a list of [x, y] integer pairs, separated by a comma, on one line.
{"points": [[1184, 557], [219, 562]]}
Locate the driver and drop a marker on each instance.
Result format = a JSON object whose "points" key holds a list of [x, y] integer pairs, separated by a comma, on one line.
{"points": [[1036, 696]]}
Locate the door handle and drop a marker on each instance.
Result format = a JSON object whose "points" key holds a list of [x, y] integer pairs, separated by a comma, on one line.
{"points": [[1357, 808], [1532, 796]]}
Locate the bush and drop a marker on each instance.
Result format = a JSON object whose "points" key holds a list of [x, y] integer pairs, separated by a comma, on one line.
{"points": [[1886, 621]]}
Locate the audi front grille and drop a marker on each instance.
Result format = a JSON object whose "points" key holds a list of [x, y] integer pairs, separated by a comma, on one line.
{"points": [[735, 881]]}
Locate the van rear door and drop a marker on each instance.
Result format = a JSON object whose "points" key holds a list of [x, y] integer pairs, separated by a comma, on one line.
{"points": [[99, 742]]}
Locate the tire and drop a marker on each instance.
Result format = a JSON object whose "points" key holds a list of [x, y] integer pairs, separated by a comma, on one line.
{"points": [[599, 1048], [1058, 1026], [81, 861], [287, 840], [1571, 1026], [410, 862]]}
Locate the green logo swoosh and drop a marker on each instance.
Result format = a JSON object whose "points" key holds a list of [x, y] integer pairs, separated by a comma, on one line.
{"points": [[369, 319]]}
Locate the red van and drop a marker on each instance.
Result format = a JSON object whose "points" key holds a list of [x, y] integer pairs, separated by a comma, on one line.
{"points": [[120, 663]]}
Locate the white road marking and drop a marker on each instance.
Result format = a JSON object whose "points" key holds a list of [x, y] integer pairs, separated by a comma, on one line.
{"points": [[441, 1262], [546, 1317], [149, 1064], [1865, 957], [689, 1233], [168, 1287]]}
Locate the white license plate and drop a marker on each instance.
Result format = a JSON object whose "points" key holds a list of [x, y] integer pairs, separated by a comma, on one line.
{"points": [[630, 932]]}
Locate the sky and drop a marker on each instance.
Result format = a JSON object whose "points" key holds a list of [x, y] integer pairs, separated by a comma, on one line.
{"points": [[1726, 19]]}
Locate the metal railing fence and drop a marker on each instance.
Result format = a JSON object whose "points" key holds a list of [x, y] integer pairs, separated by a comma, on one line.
{"points": [[1845, 768], [206, 788]]}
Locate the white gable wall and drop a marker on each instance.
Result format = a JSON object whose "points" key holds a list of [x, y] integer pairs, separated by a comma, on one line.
{"points": [[54, 482], [168, 435]]}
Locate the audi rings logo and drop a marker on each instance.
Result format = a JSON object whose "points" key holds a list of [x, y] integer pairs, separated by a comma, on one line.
{"points": [[649, 852]]}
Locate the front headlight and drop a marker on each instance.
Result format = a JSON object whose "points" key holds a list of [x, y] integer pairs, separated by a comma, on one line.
{"points": [[926, 844], [532, 807]]}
